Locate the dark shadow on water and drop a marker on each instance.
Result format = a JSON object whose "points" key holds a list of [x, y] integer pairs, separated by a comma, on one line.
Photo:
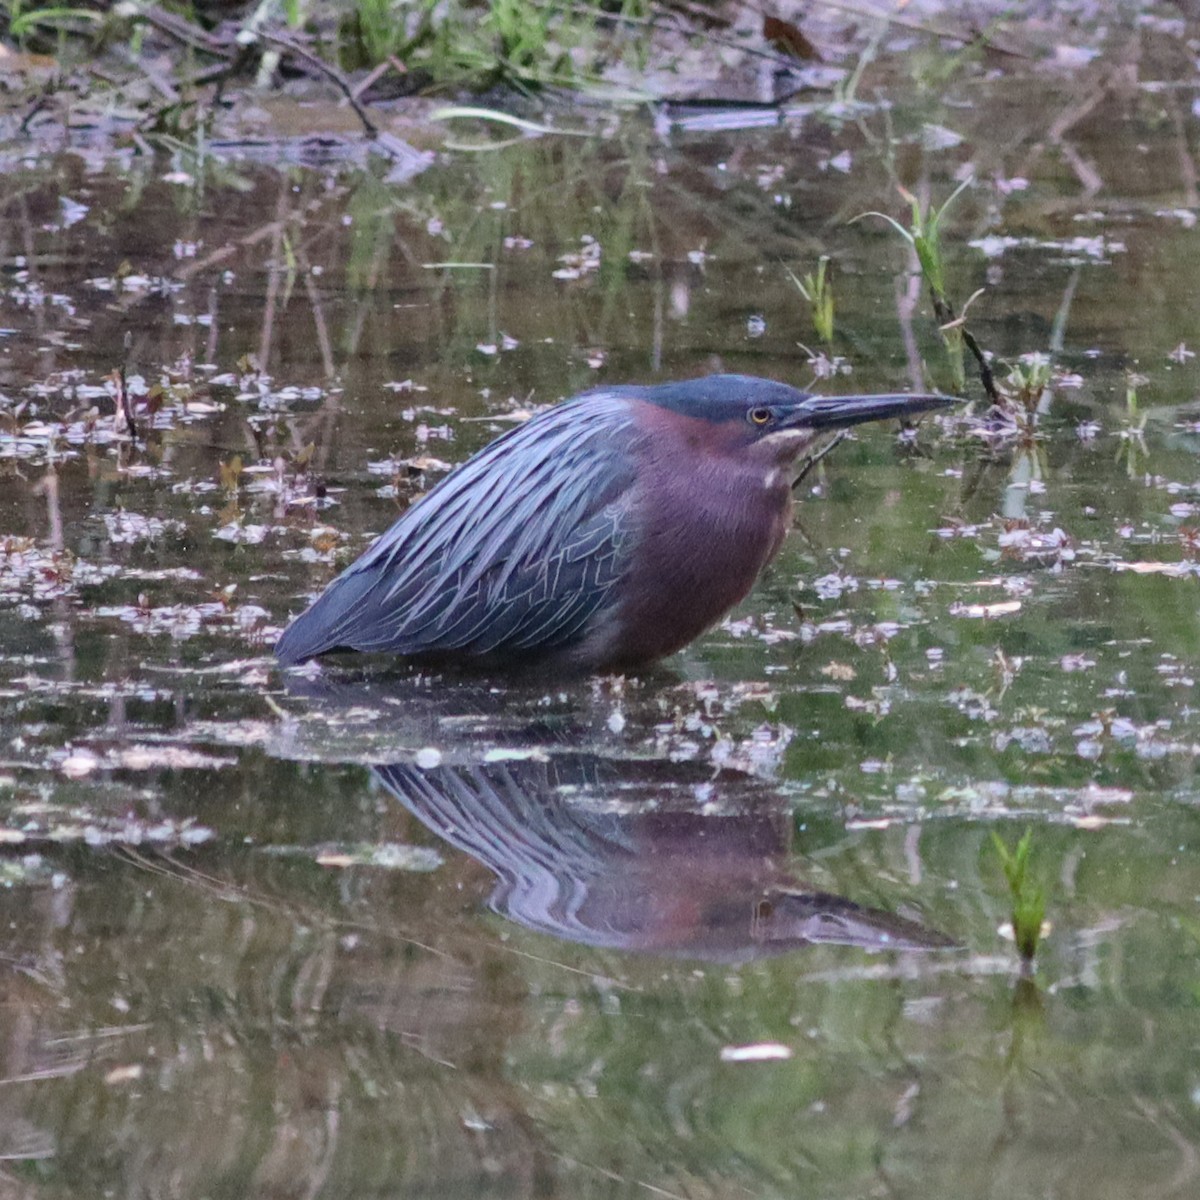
{"points": [[374, 715]]}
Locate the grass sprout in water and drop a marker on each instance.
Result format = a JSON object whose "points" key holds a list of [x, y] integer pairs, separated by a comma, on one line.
{"points": [[817, 288], [1027, 382], [1027, 897], [1022, 398], [924, 235]]}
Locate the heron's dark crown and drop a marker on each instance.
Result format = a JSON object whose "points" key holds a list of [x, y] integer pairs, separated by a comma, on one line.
{"points": [[720, 398]]}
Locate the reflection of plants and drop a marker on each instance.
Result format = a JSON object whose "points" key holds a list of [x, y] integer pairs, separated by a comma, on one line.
{"points": [[1028, 899], [845, 91], [1023, 393], [817, 289], [924, 235], [1131, 446]]}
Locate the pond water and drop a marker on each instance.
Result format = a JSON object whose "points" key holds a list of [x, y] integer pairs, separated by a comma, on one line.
{"points": [[733, 928]]}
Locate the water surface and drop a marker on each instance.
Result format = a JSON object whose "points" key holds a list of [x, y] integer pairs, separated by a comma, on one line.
{"points": [[402, 935]]}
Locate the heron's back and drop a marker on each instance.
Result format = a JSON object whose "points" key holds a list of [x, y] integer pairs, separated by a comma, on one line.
{"points": [[512, 555]]}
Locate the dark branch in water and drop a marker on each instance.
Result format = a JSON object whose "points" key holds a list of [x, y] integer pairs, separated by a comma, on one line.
{"points": [[946, 316], [123, 400]]}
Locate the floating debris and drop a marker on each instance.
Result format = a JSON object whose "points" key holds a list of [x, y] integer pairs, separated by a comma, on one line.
{"points": [[756, 1052]]}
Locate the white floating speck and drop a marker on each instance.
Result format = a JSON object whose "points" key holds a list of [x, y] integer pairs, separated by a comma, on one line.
{"points": [[79, 763], [756, 1052], [499, 754]]}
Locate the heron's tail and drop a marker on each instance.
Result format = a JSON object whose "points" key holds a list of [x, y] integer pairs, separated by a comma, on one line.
{"points": [[326, 624]]}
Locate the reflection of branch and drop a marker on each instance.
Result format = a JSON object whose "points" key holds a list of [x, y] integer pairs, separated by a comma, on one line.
{"points": [[49, 488], [266, 335], [261, 234], [1067, 120], [367, 294], [165, 864], [219, 255], [1059, 329], [214, 324], [1089, 178], [63, 627], [318, 429], [1187, 164], [971, 482], [123, 399], [318, 311], [1189, 1162], [908, 290]]}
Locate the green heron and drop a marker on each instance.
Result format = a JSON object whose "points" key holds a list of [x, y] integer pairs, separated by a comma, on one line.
{"points": [[601, 535]]}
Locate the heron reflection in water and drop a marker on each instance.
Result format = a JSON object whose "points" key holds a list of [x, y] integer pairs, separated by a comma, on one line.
{"points": [[611, 853]]}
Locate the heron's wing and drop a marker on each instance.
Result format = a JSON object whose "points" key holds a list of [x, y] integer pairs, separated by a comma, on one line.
{"points": [[515, 550]]}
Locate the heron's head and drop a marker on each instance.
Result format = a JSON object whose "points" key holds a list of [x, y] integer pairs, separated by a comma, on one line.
{"points": [[772, 420]]}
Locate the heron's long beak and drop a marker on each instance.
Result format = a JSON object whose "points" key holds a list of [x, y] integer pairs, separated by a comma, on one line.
{"points": [[834, 412]]}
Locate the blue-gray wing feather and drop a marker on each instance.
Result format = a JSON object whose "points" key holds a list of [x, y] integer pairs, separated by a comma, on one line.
{"points": [[516, 550]]}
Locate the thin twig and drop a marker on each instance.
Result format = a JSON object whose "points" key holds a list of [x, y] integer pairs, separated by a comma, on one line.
{"points": [[330, 72], [946, 316], [123, 400], [187, 33], [674, 23], [36, 107], [893, 17], [814, 459], [377, 72]]}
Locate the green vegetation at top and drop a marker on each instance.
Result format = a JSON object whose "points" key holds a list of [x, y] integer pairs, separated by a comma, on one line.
{"points": [[422, 44], [520, 43]]}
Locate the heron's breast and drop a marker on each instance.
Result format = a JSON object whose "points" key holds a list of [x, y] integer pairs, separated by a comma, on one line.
{"points": [[704, 525]]}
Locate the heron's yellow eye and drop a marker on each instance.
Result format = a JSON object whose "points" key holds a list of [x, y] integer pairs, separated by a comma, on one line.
{"points": [[760, 416]]}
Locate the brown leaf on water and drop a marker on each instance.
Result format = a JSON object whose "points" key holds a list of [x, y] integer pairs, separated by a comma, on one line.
{"points": [[303, 457], [324, 539], [231, 472], [785, 36], [19, 62], [425, 462], [843, 672]]}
